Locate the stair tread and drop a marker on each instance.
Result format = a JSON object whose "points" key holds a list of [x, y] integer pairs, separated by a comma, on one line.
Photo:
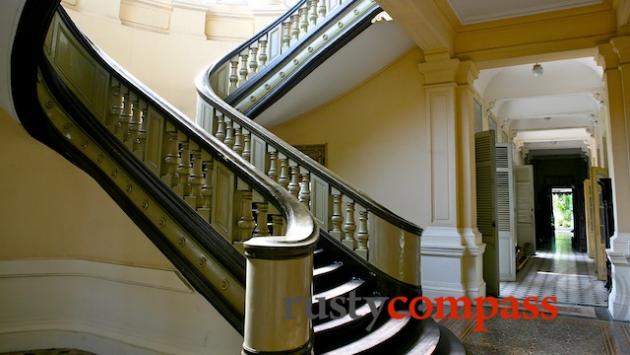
{"points": [[327, 268], [449, 343], [428, 340], [339, 290], [361, 312], [377, 337]]}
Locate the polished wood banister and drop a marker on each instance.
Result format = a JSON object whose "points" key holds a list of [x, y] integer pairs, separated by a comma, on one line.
{"points": [[364, 226], [206, 92], [299, 222], [180, 184]]}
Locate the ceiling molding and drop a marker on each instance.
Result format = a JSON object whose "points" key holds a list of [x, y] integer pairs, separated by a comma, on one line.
{"points": [[486, 11], [568, 33], [424, 22]]}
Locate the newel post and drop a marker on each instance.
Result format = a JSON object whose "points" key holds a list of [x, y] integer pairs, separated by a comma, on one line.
{"points": [[278, 296]]}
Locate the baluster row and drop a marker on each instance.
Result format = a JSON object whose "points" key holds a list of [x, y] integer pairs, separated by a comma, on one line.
{"points": [[345, 225], [190, 170], [276, 41]]}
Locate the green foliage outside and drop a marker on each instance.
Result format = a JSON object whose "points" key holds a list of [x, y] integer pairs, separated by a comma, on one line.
{"points": [[563, 210]]}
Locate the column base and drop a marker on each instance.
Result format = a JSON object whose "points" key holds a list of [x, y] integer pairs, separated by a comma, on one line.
{"points": [[619, 255], [452, 260]]}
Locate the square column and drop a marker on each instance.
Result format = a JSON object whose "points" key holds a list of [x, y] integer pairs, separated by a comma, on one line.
{"points": [[615, 59], [451, 245]]}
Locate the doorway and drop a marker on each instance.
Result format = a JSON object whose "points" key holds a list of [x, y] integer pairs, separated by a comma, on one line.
{"points": [[563, 217]]}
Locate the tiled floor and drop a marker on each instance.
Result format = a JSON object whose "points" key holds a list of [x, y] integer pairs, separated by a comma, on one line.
{"points": [[564, 335], [562, 273]]}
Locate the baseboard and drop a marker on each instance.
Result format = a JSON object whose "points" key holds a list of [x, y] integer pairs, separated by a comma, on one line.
{"points": [[106, 309]]}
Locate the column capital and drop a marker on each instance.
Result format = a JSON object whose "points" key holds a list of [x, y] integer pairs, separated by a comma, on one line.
{"points": [[621, 46], [606, 56], [440, 68]]}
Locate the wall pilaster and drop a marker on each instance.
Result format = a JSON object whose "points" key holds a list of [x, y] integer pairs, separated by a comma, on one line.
{"points": [[615, 59], [451, 244]]}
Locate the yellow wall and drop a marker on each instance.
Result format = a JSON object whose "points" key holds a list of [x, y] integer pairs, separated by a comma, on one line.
{"points": [[167, 63], [51, 209], [376, 136]]}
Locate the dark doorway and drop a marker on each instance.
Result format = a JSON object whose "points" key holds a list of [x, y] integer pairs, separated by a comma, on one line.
{"points": [[553, 172]]}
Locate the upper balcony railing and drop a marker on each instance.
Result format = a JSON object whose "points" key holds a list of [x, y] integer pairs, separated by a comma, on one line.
{"points": [[378, 235], [266, 49]]}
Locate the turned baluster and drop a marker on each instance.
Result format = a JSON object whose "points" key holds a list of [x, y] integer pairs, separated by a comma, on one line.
{"points": [[362, 235], [125, 116], [277, 224], [116, 103], [303, 13], [286, 35], [312, 11], [195, 180], [246, 223], [243, 72], [336, 218], [238, 141], [262, 55], [253, 59], [322, 11], [273, 172], [171, 158], [247, 146], [229, 133], [295, 27], [262, 229], [140, 143], [283, 178], [220, 133], [183, 168], [134, 122], [294, 186], [233, 78], [305, 190], [349, 227], [205, 206]]}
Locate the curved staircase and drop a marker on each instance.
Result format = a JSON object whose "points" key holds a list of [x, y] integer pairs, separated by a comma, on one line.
{"points": [[252, 78], [247, 219]]}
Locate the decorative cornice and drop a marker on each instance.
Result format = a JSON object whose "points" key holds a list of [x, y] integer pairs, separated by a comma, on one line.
{"points": [[439, 68], [621, 46], [606, 57]]}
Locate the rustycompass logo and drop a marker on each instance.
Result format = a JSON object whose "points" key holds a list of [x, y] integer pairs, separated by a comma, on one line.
{"points": [[479, 310]]}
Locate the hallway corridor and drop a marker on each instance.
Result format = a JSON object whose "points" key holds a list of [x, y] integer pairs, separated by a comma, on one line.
{"points": [[559, 272]]}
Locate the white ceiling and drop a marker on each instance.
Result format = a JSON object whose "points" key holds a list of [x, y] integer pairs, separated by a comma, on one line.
{"points": [[474, 11], [370, 51], [554, 112], [565, 96]]}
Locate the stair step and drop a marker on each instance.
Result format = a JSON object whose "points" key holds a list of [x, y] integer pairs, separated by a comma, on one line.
{"points": [[327, 269], [340, 290], [376, 338], [449, 343], [428, 338], [362, 313], [320, 258]]}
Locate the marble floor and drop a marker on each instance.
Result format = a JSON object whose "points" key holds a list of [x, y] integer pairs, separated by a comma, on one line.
{"points": [[563, 335], [560, 272]]}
